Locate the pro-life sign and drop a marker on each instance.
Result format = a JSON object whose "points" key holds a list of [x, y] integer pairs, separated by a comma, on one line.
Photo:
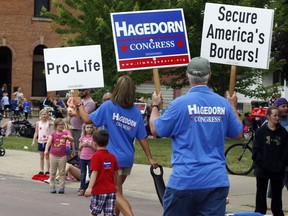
{"points": [[237, 35], [150, 39], [73, 68]]}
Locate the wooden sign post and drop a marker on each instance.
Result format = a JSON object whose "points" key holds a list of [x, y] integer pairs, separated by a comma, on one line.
{"points": [[157, 82], [232, 80], [76, 94]]}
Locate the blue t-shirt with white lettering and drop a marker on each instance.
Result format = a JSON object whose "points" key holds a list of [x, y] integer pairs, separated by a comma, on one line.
{"points": [[198, 124], [123, 126]]}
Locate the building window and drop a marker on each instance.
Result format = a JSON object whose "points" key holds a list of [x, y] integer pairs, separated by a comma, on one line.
{"points": [[38, 4], [278, 78], [38, 77], [6, 67]]}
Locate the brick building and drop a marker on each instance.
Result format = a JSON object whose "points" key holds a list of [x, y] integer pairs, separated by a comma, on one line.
{"points": [[24, 33]]}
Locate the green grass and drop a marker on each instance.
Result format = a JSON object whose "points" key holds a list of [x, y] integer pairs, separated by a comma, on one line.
{"points": [[160, 148], [18, 143], [161, 151]]}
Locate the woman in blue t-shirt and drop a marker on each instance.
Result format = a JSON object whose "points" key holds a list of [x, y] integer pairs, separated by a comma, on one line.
{"points": [[124, 122]]}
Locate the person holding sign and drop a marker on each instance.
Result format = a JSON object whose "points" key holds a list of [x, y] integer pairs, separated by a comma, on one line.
{"points": [[124, 122], [76, 121], [198, 124]]}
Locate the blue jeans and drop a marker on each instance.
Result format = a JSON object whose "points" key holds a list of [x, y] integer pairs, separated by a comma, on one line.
{"points": [[206, 202], [83, 168]]}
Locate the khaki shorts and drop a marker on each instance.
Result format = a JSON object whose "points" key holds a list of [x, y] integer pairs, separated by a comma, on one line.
{"points": [[124, 171]]}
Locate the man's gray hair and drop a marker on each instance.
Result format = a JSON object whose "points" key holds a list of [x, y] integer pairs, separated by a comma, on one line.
{"points": [[198, 80]]}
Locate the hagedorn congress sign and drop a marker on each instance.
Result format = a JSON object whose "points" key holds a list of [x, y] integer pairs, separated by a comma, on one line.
{"points": [[150, 39], [237, 35], [77, 67]]}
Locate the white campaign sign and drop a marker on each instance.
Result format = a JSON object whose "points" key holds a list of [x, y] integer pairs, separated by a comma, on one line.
{"points": [[237, 35], [73, 68]]}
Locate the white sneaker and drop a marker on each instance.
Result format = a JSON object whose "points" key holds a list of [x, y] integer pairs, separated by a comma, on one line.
{"points": [[47, 181]]}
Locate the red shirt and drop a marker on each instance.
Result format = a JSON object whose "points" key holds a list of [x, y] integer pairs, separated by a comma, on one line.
{"points": [[105, 164]]}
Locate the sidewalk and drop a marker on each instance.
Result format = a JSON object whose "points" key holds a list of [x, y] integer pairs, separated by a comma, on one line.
{"points": [[25, 164]]}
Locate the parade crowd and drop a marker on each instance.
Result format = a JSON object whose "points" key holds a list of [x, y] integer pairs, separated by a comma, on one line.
{"points": [[101, 141]]}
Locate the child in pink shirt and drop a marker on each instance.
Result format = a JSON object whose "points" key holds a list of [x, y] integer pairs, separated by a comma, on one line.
{"points": [[87, 149], [58, 157]]}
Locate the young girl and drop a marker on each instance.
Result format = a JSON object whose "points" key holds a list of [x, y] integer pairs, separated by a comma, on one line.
{"points": [[87, 149], [43, 128], [270, 157], [58, 158]]}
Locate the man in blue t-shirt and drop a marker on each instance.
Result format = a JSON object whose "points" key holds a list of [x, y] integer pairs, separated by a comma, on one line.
{"points": [[198, 124]]}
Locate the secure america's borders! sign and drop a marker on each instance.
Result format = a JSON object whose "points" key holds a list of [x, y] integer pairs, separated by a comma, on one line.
{"points": [[150, 39], [76, 67], [237, 35]]}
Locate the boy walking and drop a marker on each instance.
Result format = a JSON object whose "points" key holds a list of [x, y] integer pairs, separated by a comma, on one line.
{"points": [[6, 104], [102, 185]]}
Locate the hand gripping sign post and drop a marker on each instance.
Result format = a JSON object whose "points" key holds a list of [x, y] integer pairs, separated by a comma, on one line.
{"points": [[237, 36], [77, 67], [150, 40]]}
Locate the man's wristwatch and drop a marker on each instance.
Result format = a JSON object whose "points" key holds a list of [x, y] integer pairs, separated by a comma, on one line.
{"points": [[78, 105], [157, 106]]}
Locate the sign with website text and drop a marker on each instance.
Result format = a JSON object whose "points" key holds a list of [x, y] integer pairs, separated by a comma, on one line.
{"points": [[77, 67], [150, 39], [237, 35]]}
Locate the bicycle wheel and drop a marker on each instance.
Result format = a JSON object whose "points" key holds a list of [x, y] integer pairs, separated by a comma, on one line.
{"points": [[239, 159], [2, 151]]}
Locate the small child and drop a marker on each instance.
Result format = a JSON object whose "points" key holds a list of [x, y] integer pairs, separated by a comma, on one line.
{"points": [[70, 99], [87, 149], [102, 185], [6, 104], [26, 107], [43, 128], [70, 146], [58, 158]]}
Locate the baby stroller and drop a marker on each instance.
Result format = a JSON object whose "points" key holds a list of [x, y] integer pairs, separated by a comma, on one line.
{"points": [[2, 150], [23, 128]]}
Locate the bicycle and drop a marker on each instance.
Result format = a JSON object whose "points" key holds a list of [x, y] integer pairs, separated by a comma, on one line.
{"points": [[239, 156], [2, 150]]}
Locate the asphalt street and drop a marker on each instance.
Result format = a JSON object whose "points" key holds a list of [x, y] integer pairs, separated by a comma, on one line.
{"points": [[20, 195], [26, 198]]}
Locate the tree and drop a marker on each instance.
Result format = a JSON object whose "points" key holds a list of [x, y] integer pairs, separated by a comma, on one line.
{"points": [[90, 23], [246, 77], [280, 37]]}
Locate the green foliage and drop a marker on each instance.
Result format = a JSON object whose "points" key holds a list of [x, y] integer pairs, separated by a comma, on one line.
{"points": [[89, 22], [98, 93], [280, 36]]}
